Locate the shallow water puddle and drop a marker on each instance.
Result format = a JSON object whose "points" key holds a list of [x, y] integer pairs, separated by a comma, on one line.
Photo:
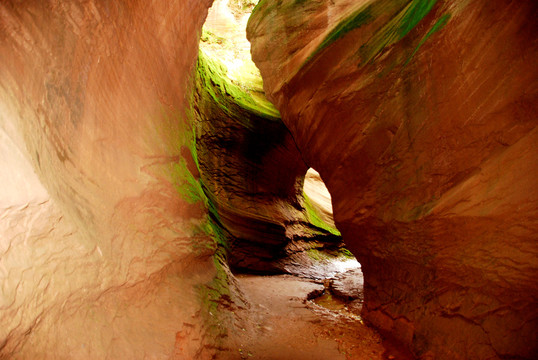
{"points": [[335, 304], [328, 301]]}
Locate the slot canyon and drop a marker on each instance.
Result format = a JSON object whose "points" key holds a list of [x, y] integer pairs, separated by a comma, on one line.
{"points": [[163, 172]]}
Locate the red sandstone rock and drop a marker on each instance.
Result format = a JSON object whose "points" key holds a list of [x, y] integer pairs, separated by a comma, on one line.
{"points": [[348, 285], [425, 134], [105, 247], [430, 157], [100, 264]]}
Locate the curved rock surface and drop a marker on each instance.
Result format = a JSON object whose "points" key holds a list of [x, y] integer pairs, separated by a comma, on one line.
{"points": [[320, 198], [251, 170], [105, 258], [252, 174], [348, 285], [126, 173], [421, 118]]}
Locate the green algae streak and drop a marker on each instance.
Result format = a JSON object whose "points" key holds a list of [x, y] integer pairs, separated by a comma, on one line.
{"points": [[436, 27], [403, 16], [396, 29], [315, 218], [211, 74]]}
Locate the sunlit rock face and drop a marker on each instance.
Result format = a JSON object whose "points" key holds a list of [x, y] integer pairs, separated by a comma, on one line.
{"points": [[421, 118], [100, 255], [250, 168], [252, 175]]}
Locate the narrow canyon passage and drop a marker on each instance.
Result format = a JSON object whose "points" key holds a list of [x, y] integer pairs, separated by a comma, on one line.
{"points": [[314, 311], [273, 179], [283, 324]]}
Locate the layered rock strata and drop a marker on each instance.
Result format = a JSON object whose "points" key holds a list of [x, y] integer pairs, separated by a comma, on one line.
{"points": [[421, 118], [419, 115], [252, 174]]}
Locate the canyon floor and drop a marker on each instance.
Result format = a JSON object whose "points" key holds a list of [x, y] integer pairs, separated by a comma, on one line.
{"points": [[285, 324]]}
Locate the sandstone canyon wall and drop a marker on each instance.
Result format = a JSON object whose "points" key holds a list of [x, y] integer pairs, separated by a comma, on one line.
{"points": [[131, 174], [100, 255], [252, 175], [421, 118], [127, 171]]}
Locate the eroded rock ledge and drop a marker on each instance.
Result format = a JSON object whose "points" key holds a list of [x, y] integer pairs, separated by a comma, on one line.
{"points": [[421, 118], [252, 175]]}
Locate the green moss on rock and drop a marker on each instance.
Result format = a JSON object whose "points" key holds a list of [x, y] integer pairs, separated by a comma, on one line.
{"points": [[315, 218], [356, 20], [396, 29], [413, 14], [403, 17], [441, 22], [211, 74], [210, 38]]}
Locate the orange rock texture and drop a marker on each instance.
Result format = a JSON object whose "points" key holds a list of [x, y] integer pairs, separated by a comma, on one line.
{"points": [[252, 174], [106, 258], [420, 116], [127, 171]]}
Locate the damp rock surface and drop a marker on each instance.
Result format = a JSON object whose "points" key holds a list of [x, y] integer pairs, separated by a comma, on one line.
{"points": [[284, 325], [348, 285]]}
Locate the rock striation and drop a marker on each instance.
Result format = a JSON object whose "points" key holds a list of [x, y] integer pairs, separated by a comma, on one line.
{"points": [[252, 175], [250, 169], [421, 118]]}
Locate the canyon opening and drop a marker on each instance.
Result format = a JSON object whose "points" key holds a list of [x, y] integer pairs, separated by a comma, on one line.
{"points": [[158, 198]]}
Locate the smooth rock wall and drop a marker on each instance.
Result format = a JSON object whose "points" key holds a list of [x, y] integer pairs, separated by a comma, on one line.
{"points": [[421, 118], [100, 255]]}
